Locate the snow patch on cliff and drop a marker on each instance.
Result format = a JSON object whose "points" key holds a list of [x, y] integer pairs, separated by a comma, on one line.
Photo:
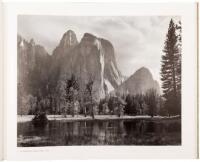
{"points": [[97, 43], [109, 85], [114, 70], [21, 44], [70, 38], [116, 73]]}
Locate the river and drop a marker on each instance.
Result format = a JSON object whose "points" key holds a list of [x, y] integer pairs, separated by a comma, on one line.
{"points": [[100, 132]]}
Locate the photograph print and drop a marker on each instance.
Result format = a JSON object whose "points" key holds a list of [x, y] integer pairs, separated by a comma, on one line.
{"points": [[98, 80]]}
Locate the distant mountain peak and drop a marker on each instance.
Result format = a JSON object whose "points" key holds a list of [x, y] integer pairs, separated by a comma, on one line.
{"points": [[143, 69], [143, 72], [138, 83]]}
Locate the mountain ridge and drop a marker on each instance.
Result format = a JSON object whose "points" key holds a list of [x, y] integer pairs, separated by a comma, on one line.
{"points": [[92, 57]]}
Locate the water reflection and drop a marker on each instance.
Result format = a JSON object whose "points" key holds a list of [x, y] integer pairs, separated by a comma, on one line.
{"points": [[119, 132]]}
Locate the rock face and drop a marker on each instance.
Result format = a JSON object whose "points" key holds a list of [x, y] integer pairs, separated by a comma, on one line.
{"points": [[33, 62], [91, 59], [61, 56], [139, 83], [33, 74]]}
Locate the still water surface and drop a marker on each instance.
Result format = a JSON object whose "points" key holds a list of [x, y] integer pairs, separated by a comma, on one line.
{"points": [[110, 132]]}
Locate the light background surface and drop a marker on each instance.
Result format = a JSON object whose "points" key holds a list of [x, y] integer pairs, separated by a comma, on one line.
{"points": [[189, 81], [1, 85]]}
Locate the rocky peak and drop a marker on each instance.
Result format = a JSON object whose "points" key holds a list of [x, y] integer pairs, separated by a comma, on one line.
{"points": [[68, 42], [143, 72], [138, 83], [87, 37], [32, 42], [69, 39], [91, 40]]}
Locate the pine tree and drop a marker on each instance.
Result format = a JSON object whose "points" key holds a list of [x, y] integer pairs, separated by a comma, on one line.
{"points": [[171, 70], [88, 96], [71, 89], [151, 99]]}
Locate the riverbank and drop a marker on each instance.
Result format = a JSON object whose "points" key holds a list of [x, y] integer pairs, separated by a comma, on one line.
{"points": [[26, 118]]}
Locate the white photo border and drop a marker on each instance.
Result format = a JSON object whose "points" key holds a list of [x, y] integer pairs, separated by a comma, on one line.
{"points": [[187, 12]]}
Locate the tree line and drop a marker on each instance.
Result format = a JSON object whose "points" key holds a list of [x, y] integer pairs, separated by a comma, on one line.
{"points": [[75, 102]]}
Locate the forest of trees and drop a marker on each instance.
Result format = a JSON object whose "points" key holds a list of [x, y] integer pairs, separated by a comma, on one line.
{"points": [[75, 102]]}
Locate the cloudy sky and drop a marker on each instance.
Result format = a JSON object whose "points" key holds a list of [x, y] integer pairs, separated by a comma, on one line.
{"points": [[138, 40]]}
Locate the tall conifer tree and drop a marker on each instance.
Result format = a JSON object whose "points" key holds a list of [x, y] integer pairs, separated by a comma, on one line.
{"points": [[171, 70]]}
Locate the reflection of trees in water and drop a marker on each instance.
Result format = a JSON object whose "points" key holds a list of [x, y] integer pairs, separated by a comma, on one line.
{"points": [[120, 132], [146, 132], [71, 133], [94, 133], [78, 133], [102, 132]]}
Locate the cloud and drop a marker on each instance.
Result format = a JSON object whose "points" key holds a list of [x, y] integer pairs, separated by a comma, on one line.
{"points": [[138, 40]]}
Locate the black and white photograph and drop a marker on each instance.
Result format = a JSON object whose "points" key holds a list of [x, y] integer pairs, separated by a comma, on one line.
{"points": [[98, 80]]}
